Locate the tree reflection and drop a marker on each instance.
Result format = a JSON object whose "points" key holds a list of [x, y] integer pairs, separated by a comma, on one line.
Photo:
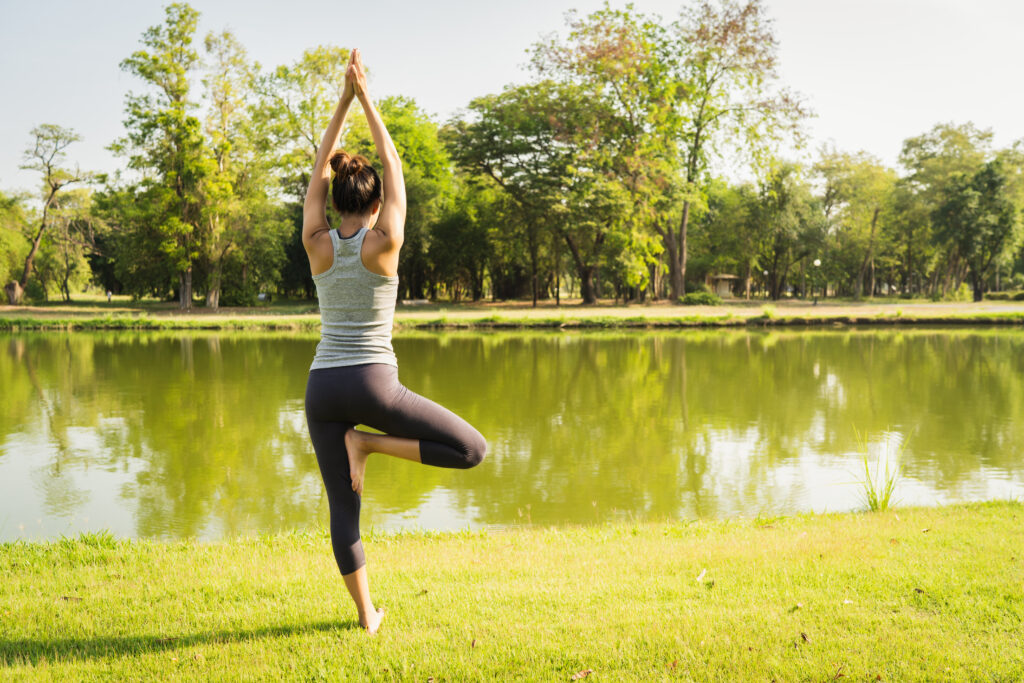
{"points": [[208, 436]]}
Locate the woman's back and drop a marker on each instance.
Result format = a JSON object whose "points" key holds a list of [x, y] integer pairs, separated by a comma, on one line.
{"points": [[357, 308]]}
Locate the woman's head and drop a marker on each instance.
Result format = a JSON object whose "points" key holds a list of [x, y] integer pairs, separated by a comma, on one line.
{"points": [[356, 186]]}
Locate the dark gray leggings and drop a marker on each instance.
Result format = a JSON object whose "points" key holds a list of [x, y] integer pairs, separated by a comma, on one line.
{"points": [[340, 398]]}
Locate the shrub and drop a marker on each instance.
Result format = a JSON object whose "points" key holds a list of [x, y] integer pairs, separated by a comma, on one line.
{"points": [[236, 295], [700, 299], [962, 293], [1005, 296]]}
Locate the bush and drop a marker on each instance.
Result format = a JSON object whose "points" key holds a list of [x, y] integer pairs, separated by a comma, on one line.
{"points": [[962, 293], [35, 292], [700, 299], [235, 295], [1004, 296]]}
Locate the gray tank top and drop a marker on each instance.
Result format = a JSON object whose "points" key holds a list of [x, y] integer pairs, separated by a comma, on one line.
{"points": [[357, 308]]}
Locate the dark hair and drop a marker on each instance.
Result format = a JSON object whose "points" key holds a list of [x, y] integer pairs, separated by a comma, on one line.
{"points": [[356, 185]]}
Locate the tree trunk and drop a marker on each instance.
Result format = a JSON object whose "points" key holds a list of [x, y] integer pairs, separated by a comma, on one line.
{"points": [[677, 281], [213, 291], [587, 285], [558, 282], [185, 289], [533, 265], [673, 267]]}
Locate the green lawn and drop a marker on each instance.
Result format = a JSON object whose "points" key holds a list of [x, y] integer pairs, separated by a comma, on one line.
{"points": [[908, 594], [303, 315]]}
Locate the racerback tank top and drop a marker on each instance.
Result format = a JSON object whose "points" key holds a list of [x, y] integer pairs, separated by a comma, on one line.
{"points": [[357, 308]]}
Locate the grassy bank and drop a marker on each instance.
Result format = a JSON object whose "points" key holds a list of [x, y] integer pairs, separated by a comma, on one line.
{"points": [[303, 316], [911, 594]]}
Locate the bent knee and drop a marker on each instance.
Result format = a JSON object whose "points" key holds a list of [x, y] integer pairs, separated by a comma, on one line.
{"points": [[476, 451]]}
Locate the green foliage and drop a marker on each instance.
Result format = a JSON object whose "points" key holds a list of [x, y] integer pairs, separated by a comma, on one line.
{"points": [[700, 299], [879, 486], [857, 190], [980, 220], [165, 142], [295, 103], [1005, 296], [792, 224], [590, 175], [14, 244]]}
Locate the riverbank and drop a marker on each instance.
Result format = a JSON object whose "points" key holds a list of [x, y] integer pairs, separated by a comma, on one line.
{"points": [[304, 316], [909, 594]]}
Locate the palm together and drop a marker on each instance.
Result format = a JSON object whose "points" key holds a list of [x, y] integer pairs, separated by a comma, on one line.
{"points": [[355, 76]]}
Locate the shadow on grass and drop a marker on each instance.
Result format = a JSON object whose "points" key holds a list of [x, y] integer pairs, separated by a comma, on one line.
{"points": [[14, 651]]}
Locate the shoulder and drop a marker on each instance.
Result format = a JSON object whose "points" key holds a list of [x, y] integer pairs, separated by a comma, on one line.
{"points": [[380, 253], [380, 241], [320, 249]]}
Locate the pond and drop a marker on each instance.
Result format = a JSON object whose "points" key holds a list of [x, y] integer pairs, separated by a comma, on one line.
{"points": [[169, 435]]}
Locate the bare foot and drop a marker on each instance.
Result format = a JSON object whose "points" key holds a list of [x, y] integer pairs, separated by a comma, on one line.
{"points": [[357, 455], [372, 622]]}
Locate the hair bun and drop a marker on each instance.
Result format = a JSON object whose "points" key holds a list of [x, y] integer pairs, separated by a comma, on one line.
{"points": [[344, 164]]}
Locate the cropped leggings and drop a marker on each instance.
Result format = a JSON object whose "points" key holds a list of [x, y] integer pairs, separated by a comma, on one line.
{"points": [[342, 397]]}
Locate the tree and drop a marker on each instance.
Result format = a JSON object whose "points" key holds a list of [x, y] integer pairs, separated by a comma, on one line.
{"points": [[459, 247], [979, 217], [933, 162], [727, 234], [517, 141], [792, 224], [45, 156], [857, 190], [164, 142], [623, 176], [14, 243], [242, 230], [296, 103], [72, 240], [724, 57]]}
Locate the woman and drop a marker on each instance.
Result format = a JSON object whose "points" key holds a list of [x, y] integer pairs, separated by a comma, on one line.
{"points": [[354, 376]]}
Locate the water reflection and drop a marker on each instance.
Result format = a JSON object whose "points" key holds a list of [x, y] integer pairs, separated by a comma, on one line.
{"points": [[169, 435]]}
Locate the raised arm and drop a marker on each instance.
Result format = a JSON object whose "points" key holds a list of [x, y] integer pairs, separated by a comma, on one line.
{"points": [[314, 209], [391, 222]]}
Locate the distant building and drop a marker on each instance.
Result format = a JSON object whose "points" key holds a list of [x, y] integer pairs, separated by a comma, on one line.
{"points": [[722, 284]]}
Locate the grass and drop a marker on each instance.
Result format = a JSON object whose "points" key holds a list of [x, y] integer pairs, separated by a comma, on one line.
{"points": [[304, 316], [913, 594], [879, 487]]}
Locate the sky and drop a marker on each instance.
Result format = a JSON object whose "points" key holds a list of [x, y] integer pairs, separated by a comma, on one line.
{"points": [[874, 72]]}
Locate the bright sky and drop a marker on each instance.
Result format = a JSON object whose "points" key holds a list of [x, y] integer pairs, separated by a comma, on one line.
{"points": [[874, 71]]}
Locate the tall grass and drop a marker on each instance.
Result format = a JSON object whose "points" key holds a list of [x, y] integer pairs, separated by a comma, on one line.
{"points": [[879, 486]]}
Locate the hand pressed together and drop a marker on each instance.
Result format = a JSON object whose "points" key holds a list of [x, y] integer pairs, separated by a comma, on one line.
{"points": [[355, 76]]}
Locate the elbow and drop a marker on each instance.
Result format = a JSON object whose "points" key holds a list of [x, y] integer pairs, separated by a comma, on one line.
{"points": [[392, 159]]}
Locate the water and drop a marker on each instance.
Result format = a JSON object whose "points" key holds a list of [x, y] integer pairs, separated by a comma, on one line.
{"points": [[203, 435]]}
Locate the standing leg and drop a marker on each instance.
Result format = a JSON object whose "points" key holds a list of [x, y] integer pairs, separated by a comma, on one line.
{"points": [[344, 503]]}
